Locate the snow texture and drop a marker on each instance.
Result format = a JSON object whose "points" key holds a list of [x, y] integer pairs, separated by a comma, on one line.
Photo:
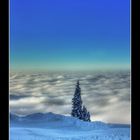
{"points": [[51, 126]]}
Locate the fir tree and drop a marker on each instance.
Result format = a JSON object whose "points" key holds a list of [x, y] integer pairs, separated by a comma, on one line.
{"points": [[77, 103], [77, 110], [85, 114], [88, 117]]}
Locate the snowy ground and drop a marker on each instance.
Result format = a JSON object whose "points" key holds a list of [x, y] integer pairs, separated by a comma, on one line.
{"points": [[51, 126]]}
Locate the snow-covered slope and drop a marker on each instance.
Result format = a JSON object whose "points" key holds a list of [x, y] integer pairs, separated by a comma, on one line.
{"points": [[51, 126]]}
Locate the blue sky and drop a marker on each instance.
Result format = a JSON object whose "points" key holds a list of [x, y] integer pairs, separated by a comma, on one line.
{"points": [[69, 34]]}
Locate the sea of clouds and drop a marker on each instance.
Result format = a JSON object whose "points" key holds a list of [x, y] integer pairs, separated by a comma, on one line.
{"points": [[105, 94]]}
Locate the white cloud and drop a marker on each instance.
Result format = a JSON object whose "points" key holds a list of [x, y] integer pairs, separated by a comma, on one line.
{"points": [[106, 95]]}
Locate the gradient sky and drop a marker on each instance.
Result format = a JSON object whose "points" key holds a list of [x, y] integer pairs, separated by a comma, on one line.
{"points": [[69, 34]]}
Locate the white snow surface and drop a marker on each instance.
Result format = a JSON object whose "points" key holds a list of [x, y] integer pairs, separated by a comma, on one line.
{"points": [[51, 126]]}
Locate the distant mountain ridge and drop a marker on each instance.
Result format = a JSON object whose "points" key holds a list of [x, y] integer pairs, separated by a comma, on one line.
{"points": [[50, 126], [56, 120]]}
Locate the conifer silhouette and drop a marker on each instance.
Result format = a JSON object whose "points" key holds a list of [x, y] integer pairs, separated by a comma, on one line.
{"points": [[78, 110], [77, 102]]}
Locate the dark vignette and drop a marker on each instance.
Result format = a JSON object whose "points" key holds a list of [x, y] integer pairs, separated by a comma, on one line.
{"points": [[135, 72], [4, 70]]}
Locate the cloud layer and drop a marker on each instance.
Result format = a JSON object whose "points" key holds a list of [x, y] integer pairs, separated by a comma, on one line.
{"points": [[106, 94]]}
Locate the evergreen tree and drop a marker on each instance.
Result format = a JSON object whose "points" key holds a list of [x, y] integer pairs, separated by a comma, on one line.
{"points": [[85, 114], [77, 103], [77, 110], [88, 117]]}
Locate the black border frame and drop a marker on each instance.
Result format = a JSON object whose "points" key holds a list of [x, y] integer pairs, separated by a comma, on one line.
{"points": [[135, 70], [4, 69]]}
